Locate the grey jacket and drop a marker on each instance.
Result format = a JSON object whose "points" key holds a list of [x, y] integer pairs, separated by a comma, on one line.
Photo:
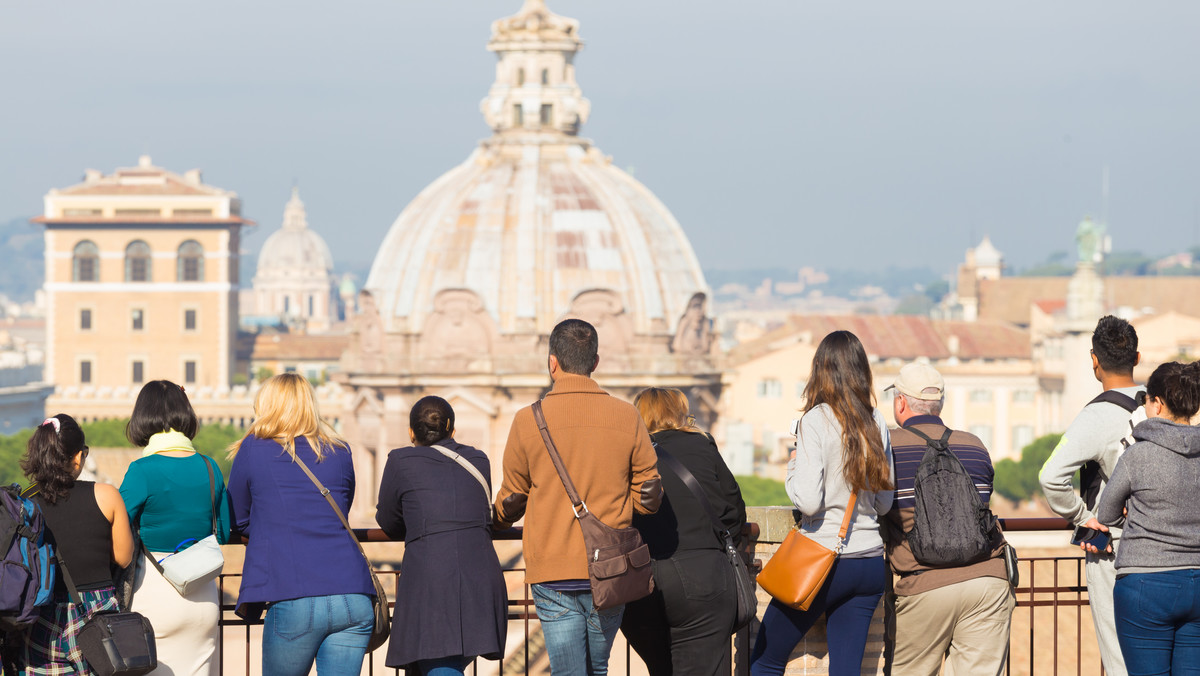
{"points": [[1157, 480]]}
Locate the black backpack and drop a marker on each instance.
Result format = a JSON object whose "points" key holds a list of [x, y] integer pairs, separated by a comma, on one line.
{"points": [[951, 526]]}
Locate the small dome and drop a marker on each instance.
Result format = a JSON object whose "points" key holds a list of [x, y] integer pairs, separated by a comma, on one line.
{"points": [[294, 250], [987, 255]]}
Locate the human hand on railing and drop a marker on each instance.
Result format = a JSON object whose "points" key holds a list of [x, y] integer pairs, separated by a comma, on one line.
{"points": [[1089, 547]]}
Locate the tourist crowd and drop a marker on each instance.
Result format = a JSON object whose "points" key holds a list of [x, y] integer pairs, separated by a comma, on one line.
{"points": [[631, 523]]}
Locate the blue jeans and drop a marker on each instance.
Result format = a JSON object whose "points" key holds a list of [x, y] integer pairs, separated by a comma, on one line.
{"points": [[578, 637], [333, 630], [848, 600], [1158, 622]]}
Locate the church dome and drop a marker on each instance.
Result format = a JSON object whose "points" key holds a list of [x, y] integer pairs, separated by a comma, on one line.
{"points": [[294, 250], [537, 224]]}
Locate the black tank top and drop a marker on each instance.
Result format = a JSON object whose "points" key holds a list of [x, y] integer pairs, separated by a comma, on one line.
{"points": [[82, 536]]}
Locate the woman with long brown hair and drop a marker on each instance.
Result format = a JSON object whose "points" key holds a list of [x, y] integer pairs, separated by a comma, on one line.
{"points": [[842, 450]]}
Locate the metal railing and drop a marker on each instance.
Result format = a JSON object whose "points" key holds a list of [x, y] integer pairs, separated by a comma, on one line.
{"points": [[1051, 630]]}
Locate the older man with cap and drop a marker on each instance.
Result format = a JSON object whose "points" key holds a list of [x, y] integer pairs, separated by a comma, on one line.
{"points": [[959, 614]]}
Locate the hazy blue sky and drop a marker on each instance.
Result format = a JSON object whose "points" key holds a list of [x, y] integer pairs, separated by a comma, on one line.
{"points": [[779, 132]]}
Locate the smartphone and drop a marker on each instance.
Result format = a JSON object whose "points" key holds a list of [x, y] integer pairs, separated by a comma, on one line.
{"points": [[1096, 538]]}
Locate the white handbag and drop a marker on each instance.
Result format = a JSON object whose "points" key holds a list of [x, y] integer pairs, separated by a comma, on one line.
{"points": [[195, 565]]}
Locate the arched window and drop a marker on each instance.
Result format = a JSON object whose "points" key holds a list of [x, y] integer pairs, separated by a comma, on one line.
{"points": [[190, 264], [137, 262], [520, 76], [545, 76], [85, 263]]}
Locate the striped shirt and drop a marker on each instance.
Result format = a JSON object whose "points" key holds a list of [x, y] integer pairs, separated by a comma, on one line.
{"points": [[909, 449]]}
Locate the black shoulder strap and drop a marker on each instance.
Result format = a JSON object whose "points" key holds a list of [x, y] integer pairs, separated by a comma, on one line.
{"points": [[1114, 397], [689, 480], [928, 439]]}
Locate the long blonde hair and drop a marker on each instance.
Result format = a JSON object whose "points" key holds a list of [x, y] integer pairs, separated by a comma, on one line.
{"points": [[664, 408], [285, 408]]}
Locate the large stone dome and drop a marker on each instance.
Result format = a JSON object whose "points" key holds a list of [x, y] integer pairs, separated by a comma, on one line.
{"points": [[536, 219]]}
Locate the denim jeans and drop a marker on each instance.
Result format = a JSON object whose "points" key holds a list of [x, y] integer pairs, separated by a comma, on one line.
{"points": [[443, 666], [578, 637], [1158, 621], [333, 630]]}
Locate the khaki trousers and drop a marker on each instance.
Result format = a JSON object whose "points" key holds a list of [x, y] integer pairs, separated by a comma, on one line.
{"points": [[966, 623]]}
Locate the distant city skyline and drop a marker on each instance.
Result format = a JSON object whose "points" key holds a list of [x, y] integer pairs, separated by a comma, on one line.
{"points": [[780, 134]]}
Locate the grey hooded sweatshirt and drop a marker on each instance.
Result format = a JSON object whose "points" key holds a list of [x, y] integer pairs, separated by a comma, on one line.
{"points": [[1158, 480]]}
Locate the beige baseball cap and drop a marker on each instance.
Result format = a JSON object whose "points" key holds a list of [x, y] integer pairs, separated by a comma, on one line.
{"points": [[921, 381]]}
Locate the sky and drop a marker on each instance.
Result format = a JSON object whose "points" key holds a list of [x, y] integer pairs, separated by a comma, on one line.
{"points": [[781, 133]]}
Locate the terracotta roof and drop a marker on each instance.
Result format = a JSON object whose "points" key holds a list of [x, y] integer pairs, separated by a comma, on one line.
{"points": [[299, 346], [1009, 299], [903, 337], [1051, 306]]}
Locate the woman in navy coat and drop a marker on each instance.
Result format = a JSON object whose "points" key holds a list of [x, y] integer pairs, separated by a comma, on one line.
{"points": [[451, 604]]}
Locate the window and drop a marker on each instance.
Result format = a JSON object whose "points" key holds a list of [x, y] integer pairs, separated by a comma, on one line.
{"points": [[137, 319], [1023, 396], [85, 320], [311, 303], [547, 114], [137, 262], [189, 372], [85, 264], [1022, 436], [85, 371], [981, 396], [770, 389], [545, 76], [190, 266], [520, 77], [192, 213], [137, 373], [138, 213], [287, 304], [189, 320], [518, 115], [984, 432]]}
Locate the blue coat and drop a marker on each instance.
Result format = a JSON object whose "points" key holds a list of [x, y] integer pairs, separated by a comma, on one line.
{"points": [[297, 545], [451, 598]]}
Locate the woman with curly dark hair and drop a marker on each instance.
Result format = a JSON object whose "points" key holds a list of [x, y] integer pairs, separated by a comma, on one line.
{"points": [[89, 528], [843, 457]]}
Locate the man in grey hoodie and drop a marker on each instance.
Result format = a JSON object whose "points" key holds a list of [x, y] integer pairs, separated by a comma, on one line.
{"points": [[1095, 437]]}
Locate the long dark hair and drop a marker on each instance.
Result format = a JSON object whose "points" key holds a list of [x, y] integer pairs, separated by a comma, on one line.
{"points": [[1178, 385], [49, 455], [841, 378]]}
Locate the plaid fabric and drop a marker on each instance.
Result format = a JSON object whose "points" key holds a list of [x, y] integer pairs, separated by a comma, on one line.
{"points": [[51, 649]]}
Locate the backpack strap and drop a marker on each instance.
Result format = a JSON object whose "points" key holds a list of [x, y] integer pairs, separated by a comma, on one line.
{"points": [[1114, 397], [945, 440]]}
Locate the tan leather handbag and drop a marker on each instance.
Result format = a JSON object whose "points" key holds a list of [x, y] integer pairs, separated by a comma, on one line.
{"points": [[796, 573]]}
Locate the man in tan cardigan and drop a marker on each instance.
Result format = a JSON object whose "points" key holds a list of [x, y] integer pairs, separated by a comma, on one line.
{"points": [[608, 454]]}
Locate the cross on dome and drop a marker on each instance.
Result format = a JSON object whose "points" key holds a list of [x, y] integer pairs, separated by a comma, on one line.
{"points": [[535, 92]]}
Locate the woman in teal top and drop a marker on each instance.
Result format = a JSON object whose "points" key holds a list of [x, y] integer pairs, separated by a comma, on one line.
{"points": [[171, 502]]}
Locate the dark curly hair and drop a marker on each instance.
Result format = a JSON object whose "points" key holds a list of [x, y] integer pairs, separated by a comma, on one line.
{"points": [[49, 455], [1178, 386], [1115, 344], [431, 420]]}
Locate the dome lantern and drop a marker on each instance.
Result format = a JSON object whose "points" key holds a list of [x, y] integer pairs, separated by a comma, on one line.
{"points": [[535, 89]]}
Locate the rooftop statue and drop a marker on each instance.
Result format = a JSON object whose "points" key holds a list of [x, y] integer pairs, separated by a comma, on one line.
{"points": [[1089, 241]]}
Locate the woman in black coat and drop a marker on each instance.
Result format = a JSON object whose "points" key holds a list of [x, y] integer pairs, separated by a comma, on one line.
{"points": [[451, 604], [684, 626]]}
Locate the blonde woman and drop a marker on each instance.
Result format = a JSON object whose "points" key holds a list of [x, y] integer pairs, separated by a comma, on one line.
{"points": [[299, 559], [684, 626]]}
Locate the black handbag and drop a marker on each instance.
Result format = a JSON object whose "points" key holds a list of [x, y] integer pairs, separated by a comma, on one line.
{"points": [[113, 643], [747, 601]]}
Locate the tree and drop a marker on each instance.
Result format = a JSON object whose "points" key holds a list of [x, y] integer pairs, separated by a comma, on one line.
{"points": [[1017, 480], [760, 492]]}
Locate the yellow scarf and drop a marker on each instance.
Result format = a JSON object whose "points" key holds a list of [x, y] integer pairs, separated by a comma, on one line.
{"points": [[168, 441]]}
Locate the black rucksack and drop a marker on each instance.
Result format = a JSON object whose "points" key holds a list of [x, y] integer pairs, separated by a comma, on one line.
{"points": [[951, 527]]}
